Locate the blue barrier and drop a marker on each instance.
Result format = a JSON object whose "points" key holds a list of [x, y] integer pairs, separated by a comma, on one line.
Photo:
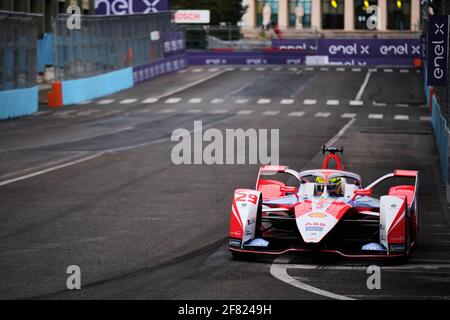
{"points": [[45, 52], [441, 133], [18, 102], [76, 91]]}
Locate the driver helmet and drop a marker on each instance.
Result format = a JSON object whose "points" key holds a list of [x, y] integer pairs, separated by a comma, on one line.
{"points": [[334, 185]]}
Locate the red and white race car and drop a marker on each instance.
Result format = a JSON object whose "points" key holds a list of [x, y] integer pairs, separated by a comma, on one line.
{"points": [[326, 210]]}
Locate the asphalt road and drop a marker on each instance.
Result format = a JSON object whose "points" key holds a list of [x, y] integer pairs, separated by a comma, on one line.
{"points": [[94, 185]]}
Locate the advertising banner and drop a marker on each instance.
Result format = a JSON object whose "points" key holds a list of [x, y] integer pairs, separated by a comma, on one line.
{"points": [[437, 50], [118, 7]]}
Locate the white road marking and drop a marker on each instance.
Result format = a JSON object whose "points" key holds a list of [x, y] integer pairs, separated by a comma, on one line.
{"points": [[425, 118], [87, 113], [244, 112], [404, 71], [363, 86], [296, 114], [150, 100], [293, 69], [217, 101], [287, 101], [182, 71], [356, 103], [373, 70], [340, 69], [356, 69], [388, 70], [128, 101], [194, 111], [348, 115], [332, 102], [322, 114], [83, 103], [213, 70], [341, 132], [379, 104], [277, 69], [51, 169], [241, 101], [264, 101], [245, 69], [230, 69], [376, 116], [309, 102], [324, 69], [401, 117], [173, 100], [220, 111], [261, 69], [309, 69], [40, 113], [195, 100], [271, 113], [197, 70], [279, 271], [402, 105], [105, 102], [168, 111]]}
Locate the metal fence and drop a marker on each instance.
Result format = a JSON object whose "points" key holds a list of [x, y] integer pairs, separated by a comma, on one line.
{"points": [[108, 43], [18, 43]]}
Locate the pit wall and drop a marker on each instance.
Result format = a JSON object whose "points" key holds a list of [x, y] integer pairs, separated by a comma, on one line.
{"points": [[18, 102]]}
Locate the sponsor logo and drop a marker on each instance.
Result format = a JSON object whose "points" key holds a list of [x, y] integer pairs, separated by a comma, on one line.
{"points": [[236, 233], [318, 215], [235, 242], [313, 229]]}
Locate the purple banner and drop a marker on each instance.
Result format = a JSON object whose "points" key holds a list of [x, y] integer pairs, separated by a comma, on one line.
{"points": [[117, 7], [355, 48], [174, 43], [437, 50], [287, 57], [154, 70]]}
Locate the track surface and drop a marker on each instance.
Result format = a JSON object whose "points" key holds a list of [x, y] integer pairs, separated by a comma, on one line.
{"points": [[93, 185]]}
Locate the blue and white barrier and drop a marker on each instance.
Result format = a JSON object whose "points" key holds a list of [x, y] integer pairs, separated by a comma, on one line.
{"points": [[18, 102]]}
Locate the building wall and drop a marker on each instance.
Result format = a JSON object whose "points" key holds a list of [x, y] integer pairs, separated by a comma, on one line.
{"points": [[316, 14], [48, 8]]}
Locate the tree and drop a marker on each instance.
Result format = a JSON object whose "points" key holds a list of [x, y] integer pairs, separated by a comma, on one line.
{"points": [[229, 11]]}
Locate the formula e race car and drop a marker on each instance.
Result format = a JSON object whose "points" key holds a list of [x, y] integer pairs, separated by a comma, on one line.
{"points": [[326, 210]]}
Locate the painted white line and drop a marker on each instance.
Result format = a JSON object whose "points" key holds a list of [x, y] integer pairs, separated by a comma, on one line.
{"points": [[296, 114], [425, 118], [309, 102], [309, 69], [388, 70], [261, 69], [213, 70], [64, 113], [244, 112], [54, 168], [376, 116], [217, 101], [277, 69], [356, 103], [168, 111], [150, 100], [87, 113], [40, 113], [197, 70], [401, 117], [194, 111], [241, 101], [324, 69], [356, 69], [322, 114], [373, 70], [279, 271], [364, 267], [332, 102], [264, 101], [348, 115], [230, 69], [402, 105], [271, 113], [404, 71], [128, 101], [341, 132], [418, 71], [105, 102], [363, 86], [83, 103], [294, 69], [287, 101], [220, 111], [340, 69], [245, 69], [173, 100], [195, 100], [379, 104], [182, 71]]}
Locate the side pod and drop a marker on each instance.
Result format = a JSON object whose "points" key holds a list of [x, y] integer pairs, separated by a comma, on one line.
{"points": [[244, 215], [393, 224]]}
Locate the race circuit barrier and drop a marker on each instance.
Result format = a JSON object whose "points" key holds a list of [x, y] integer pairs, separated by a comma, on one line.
{"points": [[75, 91], [18, 102], [441, 133], [154, 70], [351, 52]]}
